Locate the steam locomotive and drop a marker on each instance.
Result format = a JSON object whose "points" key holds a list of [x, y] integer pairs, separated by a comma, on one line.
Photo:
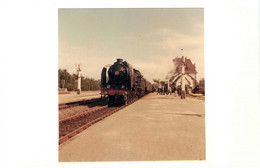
{"points": [[123, 84]]}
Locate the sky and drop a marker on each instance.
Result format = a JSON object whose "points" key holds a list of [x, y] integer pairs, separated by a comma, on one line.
{"points": [[147, 38]]}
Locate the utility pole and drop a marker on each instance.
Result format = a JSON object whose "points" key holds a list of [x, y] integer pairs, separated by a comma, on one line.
{"points": [[183, 93], [63, 83], [79, 79]]}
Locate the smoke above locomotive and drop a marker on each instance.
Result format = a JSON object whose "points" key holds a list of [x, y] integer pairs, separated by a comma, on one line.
{"points": [[122, 84]]}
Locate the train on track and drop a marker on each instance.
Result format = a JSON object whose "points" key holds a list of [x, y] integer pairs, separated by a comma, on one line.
{"points": [[122, 84]]}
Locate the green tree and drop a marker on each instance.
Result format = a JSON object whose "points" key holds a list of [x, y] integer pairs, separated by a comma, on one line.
{"points": [[71, 81]]}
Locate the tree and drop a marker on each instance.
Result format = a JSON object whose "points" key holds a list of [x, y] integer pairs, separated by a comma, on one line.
{"points": [[202, 85], [202, 82], [71, 81]]}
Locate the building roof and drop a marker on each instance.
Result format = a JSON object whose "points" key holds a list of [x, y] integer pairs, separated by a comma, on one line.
{"points": [[190, 68]]}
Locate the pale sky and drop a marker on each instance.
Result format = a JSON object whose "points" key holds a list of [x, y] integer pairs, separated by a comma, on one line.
{"points": [[147, 38]]}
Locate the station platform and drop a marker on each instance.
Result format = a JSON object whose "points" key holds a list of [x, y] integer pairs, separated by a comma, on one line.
{"points": [[154, 128], [73, 96]]}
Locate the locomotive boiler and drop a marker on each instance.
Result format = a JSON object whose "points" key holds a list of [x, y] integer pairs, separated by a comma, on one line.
{"points": [[121, 83]]}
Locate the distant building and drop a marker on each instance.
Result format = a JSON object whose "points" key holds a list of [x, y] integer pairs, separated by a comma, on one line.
{"points": [[190, 73], [163, 86], [189, 69]]}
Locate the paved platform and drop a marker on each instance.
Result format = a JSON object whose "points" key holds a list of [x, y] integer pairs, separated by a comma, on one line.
{"points": [[73, 96], [155, 128]]}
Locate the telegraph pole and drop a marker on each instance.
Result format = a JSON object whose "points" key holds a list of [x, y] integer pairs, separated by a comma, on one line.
{"points": [[79, 79], [183, 93]]}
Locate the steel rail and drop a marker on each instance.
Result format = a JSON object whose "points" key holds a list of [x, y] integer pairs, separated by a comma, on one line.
{"points": [[81, 102], [88, 124], [81, 115], [82, 128]]}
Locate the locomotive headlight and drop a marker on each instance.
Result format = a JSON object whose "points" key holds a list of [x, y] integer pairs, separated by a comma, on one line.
{"points": [[116, 72], [108, 86], [123, 86]]}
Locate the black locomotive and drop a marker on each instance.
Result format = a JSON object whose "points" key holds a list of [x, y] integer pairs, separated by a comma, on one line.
{"points": [[121, 83]]}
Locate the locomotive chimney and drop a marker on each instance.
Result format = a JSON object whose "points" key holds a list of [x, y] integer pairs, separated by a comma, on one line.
{"points": [[119, 60]]}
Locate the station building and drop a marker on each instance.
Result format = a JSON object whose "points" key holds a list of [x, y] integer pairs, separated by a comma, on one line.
{"points": [[189, 73]]}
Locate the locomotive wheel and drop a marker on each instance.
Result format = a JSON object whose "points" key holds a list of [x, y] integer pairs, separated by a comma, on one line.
{"points": [[109, 104], [126, 100]]}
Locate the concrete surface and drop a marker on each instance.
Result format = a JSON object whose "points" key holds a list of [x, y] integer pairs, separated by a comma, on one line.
{"points": [[155, 128], [73, 96]]}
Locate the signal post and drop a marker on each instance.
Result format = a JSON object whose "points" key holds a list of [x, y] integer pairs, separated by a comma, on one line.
{"points": [[79, 80]]}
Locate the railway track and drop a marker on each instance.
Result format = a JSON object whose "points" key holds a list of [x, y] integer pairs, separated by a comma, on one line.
{"points": [[82, 102], [71, 126]]}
